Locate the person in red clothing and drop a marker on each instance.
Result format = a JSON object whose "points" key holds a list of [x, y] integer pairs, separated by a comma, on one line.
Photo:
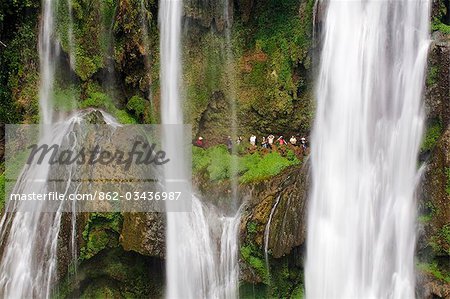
{"points": [[199, 142], [281, 140]]}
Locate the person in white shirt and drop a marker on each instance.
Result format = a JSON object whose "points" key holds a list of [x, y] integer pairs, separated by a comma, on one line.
{"points": [[293, 140], [270, 140], [253, 140]]}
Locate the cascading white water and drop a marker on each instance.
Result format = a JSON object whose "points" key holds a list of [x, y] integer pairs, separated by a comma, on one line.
{"points": [[361, 223], [47, 50], [228, 265], [196, 266], [205, 254], [267, 232], [30, 239]]}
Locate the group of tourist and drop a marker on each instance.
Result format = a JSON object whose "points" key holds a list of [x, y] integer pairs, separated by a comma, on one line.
{"points": [[267, 142], [270, 141]]}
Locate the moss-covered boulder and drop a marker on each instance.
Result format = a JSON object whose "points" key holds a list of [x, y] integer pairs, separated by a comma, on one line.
{"points": [[437, 96], [436, 198], [144, 233], [273, 231], [115, 273]]}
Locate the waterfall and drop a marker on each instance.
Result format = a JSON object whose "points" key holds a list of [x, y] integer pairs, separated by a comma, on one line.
{"points": [[361, 224], [47, 50], [228, 266], [30, 239], [196, 266], [267, 232]]}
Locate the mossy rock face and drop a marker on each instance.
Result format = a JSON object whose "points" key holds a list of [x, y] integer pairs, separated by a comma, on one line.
{"points": [[209, 13], [136, 44], [102, 289], [437, 197], [246, 9], [19, 66], [95, 117], [440, 16], [101, 232], [434, 206], [285, 198], [433, 280], [437, 96], [263, 72], [144, 233], [216, 118], [89, 37], [114, 273]]}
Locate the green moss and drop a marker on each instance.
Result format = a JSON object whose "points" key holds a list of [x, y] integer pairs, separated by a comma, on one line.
{"points": [[200, 159], [101, 231], [125, 118], [96, 241], [252, 227], [298, 293], [269, 165], [433, 269], [101, 100], [137, 105], [286, 278], [433, 75], [444, 234], [437, 23], [203, 73], [254, 259], [285, 38], [435, 244], [441, 27], [277, 89], [220, 165], [15, 164], [98, 100], [440, 242], [431, 137], [114, 271], [65, 100], [86, 66], [425, 218], [90, 33], [216, 162]]}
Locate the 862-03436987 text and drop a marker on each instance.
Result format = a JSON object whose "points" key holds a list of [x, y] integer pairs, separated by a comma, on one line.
{"points": [[97, 195]]}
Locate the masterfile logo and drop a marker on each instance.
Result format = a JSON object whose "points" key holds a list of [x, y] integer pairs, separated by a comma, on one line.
{"points": [[103, 168]]}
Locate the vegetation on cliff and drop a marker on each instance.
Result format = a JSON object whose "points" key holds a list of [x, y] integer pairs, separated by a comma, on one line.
{"points": [[216, 163], [271, 61], [434, 241]]}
